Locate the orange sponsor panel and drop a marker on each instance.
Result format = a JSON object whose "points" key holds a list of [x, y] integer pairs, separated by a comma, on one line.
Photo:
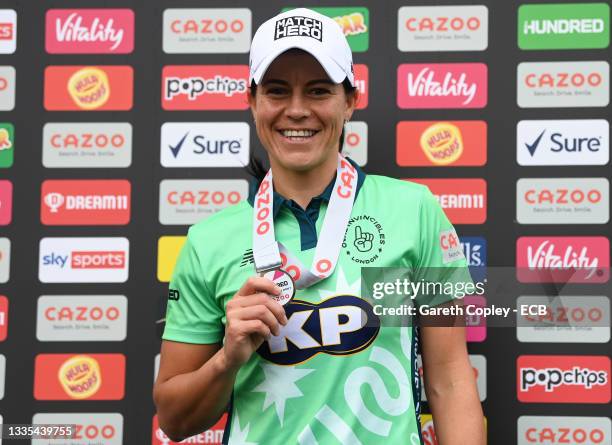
{"points": [[441, 143], [79, 377], [88, 88]]}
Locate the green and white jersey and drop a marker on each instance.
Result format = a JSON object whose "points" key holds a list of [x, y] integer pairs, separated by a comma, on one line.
{"points": [[325, 379]]}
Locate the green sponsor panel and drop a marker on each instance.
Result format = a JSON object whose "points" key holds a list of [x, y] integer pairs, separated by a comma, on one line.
{"points": [[355, 23], [7, 144], [564, 26]]}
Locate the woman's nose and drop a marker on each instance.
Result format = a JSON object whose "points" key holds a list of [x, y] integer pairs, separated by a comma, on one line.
{"points": [[297, 108]]}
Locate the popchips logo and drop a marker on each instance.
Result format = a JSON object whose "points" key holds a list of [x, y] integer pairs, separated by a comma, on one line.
{"points": [[563, 379], [205, 87], [8, 31], [442, 85], [90, 428], [464, 200], [187, 201], [563, 84], [88, 88], [93, 31], [445, 143], [207, 30], [558, 430], [79, 377], [83, 260], [578, 259], [443, 28]]}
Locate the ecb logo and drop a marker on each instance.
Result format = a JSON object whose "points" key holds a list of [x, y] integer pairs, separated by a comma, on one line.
{"points": [[341, 325]]}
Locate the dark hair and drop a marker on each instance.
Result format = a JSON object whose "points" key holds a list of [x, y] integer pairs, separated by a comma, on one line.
{"points": [[255, 166]]}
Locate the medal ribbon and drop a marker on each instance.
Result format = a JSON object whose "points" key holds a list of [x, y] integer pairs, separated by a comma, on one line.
{"points": [[269, 254]]}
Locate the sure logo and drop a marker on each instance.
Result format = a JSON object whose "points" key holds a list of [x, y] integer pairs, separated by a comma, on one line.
{"points": [[340, 325]]}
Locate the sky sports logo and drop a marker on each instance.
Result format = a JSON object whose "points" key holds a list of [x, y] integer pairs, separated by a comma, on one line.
{"points": [[87, 144], [8, 31], [89, 31], [85, 202], [441, 143], [83, 260], [205, 87], [568, 319], [442, 85], [563, 84], [563, 201], [88, 88], [463, 200], [187, 201], [563, 142], [90, 428], [563, 379], [7, 88], [207, 30], [564, 26], [561, 259], [204, 144], [81, 318], [443, 28], [551, 430]]}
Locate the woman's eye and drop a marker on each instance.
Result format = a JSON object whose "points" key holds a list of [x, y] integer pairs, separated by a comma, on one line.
{"points": [[319, 91], [276, 91]]}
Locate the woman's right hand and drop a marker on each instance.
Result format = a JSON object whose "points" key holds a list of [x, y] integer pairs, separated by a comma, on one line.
{"points": [[251, 317]]}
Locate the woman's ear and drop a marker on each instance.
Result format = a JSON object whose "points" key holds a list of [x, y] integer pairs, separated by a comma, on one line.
{"points": [[252, 100], [352, 99]]}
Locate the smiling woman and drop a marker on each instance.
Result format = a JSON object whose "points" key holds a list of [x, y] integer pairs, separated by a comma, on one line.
{"points": [[295, 354]]}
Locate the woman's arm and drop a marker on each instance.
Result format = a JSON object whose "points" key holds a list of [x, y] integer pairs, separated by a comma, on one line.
{"points": [[450, 385]]}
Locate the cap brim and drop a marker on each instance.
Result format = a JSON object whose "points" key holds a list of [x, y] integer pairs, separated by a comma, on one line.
{"points": [[335, 73]]}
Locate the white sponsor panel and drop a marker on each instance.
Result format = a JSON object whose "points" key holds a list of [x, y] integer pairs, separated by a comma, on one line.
{"points": [[563, 200], [207, 30], [8, 31], [568, 319], [87, 144], [563, 142], [91, 428], [7, 88], [356, 142], [199, 144], [443, 28], [156, 367], [5, 259], [2, 375], [553, 430], [81, 318], [187, 201], [83, 260], [563, 84], [479, 364]]}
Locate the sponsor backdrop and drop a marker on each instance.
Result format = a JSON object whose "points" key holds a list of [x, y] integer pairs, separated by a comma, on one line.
{"points": [[124, 123]]}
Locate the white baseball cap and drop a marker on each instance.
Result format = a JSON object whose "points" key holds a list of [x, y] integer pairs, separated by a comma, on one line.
{"points": [[307, 30]]}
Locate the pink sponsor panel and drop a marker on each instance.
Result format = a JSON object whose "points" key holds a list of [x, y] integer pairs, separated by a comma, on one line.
{"points": [[89, 31], [475, 325], [442, 85], [565, 259]]}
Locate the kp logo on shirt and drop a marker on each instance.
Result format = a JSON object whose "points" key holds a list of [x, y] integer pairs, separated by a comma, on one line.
{"points": [[577, 259], [563, 379], [443, 28], [6, 202], [205, 87], [446, 143], [85, 202], [83, 260], [207, 30], [563, 142], [89, 31], [199, 144], [212, 436], [442, 85], [88, 88], [90, 428], [464, 200], [563, 84], [79, 376], [8, 31], [544, 430]]}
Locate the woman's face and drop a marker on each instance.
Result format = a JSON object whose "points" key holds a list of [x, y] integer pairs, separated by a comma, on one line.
{"points": [[299, 112]]}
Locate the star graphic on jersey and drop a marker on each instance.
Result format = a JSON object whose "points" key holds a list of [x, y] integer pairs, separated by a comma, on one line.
{"points": [[239, 435], [279, 385], [342, 286]]}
